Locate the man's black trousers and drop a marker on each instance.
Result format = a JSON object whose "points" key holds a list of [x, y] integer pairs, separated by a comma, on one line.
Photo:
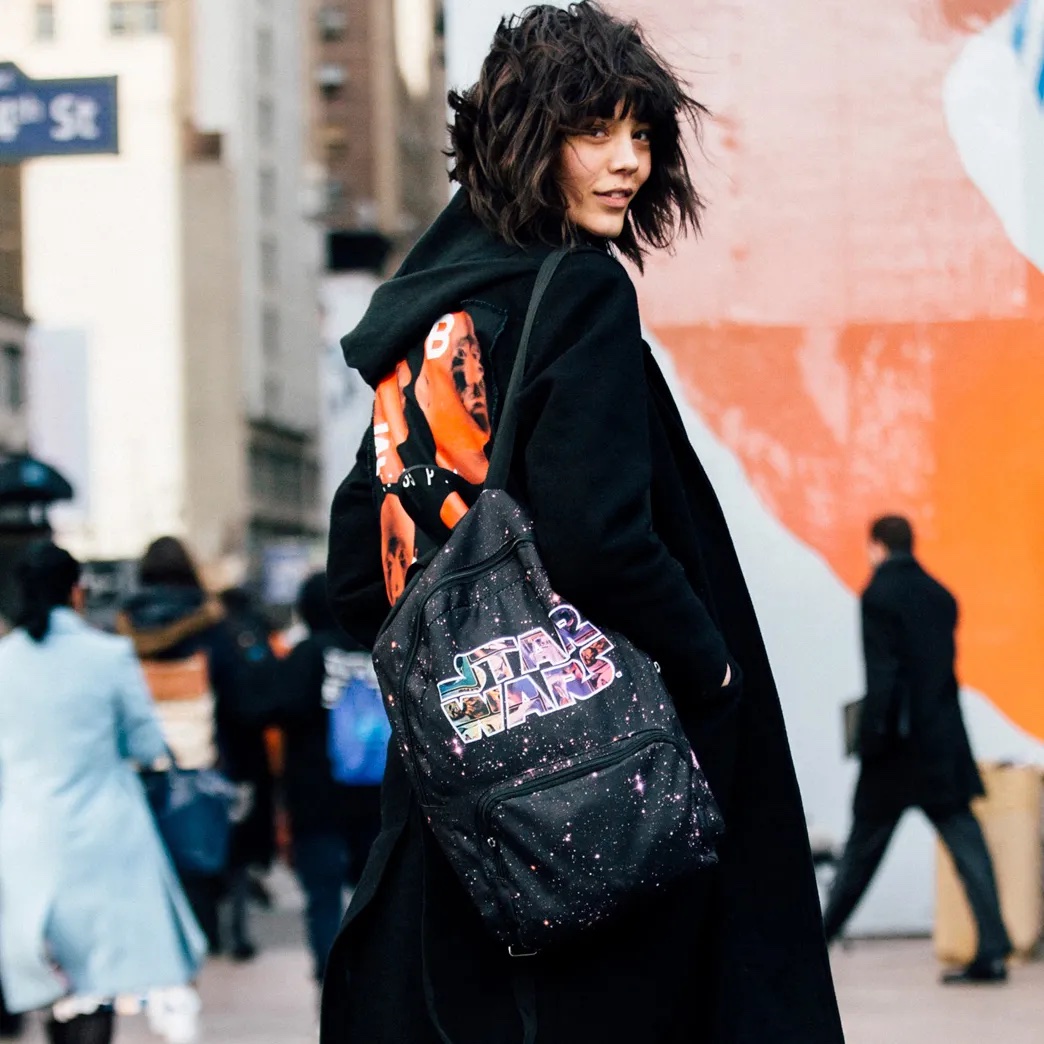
{"points": [[962, 835]]}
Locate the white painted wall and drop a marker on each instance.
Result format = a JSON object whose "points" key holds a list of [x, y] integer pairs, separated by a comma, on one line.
{"points": [[996, 117], [101, 259]]}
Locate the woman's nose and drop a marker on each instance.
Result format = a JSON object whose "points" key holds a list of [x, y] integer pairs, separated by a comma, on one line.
{"points": [[624, 158]]}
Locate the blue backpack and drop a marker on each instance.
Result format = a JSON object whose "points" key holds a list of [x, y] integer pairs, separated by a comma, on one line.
{"points": [[357, 742]]}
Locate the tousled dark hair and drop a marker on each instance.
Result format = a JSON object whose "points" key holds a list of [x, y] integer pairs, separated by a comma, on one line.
{"points": [[894, 532], [549, 74], [313, 604], [46, 577], [167, 562]]}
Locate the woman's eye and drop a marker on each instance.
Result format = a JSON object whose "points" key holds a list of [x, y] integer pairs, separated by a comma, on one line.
{"points": [[598, 132], [643, 135]]}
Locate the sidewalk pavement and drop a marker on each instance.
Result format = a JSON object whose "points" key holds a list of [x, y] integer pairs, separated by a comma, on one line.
{"points": [[889, 994], [270, 1000], [888, 991]]}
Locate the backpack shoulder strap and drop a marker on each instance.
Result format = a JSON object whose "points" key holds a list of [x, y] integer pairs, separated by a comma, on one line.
{"points": [[504, 440]]}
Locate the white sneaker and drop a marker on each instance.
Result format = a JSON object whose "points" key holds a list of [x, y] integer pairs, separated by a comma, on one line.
{"points": [[173, 1014]]}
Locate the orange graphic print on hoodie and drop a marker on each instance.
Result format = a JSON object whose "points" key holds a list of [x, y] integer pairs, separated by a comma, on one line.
{"points": [[431, 429]]}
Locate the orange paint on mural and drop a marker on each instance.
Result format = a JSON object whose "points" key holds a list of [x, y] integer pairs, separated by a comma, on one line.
{"points": [[857, 325], [942, 422]]}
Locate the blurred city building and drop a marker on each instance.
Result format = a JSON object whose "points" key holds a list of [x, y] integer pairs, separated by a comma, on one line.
{"points": [[13, 321], [376, 97], [377, 115], [173, 287], [13, 327]]}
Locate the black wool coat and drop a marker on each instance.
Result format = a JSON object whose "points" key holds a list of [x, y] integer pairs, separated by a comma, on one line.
{"points": [[631, 532], [913, 742]]}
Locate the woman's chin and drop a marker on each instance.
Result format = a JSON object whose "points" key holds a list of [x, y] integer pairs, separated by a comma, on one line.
{"points": [[604, 228]]}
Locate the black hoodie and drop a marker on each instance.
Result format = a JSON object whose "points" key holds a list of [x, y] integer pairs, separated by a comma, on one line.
{"points": [[455, 260]]}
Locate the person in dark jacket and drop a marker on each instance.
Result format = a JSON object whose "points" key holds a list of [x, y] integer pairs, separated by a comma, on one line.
{"points": [[913, 744], [333, 825], [254, 838], [173, 621], [571, 137]]}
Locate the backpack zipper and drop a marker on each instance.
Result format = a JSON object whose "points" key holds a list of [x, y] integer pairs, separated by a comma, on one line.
{"points": [[620, 749], [450, 578]]}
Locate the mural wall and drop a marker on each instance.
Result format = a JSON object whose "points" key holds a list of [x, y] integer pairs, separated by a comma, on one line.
{"points": [[861, 330]]}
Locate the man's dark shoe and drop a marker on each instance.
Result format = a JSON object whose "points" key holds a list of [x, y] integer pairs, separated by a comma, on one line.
{"points": [[978, 972], [243, 951]]}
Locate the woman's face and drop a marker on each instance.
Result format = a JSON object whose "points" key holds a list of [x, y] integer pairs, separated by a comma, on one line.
{"points": [[602, 170]]}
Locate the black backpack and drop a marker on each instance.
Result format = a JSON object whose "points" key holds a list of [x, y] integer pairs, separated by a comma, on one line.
{"points": [[544, 751]]}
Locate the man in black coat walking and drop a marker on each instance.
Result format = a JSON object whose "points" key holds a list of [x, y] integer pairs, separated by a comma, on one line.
{"points": [[913, 744]]}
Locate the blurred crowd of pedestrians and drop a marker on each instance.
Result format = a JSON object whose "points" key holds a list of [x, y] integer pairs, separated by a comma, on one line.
{"points": [[148, 780]]}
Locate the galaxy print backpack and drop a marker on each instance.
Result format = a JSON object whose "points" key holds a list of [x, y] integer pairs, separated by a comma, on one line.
{"points": [[544, 751]]}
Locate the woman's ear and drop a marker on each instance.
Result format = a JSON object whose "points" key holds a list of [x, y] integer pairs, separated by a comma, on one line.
{"points": [[78, 598]]}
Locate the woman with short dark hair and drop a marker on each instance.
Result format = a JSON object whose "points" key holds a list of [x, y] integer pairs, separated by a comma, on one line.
{"points": [[571, 138], [90, 907]]}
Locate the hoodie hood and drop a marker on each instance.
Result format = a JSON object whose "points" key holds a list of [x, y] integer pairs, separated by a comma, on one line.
{"points": [[455, 259], [159, 618]]}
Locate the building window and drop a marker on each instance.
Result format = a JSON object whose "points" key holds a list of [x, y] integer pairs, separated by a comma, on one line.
{"points": [[265, 120], [335, 194], [45, 23], [331, 77], [333, 21], [119, 17], [270, 332], [152, 16], [269, 263], [265, 53], [273, 393], [267, 198], [14, 376], [135, 16]]}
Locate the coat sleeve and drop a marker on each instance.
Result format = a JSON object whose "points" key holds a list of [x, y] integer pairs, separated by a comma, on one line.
{"points": [[881, 653], [139, 729], [584, 416], [355, 579]]}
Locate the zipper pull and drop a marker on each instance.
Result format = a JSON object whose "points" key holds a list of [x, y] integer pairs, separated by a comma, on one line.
{"points": [[492, 842]]}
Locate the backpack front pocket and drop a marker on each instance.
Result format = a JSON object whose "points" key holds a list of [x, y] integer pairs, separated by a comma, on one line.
{"points": [[570, 843]]}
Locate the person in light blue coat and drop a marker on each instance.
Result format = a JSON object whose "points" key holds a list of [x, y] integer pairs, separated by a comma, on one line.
{"points": [[90, 905]]}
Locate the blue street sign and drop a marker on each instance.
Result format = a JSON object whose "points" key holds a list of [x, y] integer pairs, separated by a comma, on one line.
{"points": [[55, 117]]}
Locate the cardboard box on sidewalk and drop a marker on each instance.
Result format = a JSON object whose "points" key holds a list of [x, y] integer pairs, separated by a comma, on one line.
{"points": [[1010, 815]]}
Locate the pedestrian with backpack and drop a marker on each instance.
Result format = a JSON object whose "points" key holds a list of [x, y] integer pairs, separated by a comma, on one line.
{"points": [[580, 697], [253, 844], [324, 697], [192, 668]]}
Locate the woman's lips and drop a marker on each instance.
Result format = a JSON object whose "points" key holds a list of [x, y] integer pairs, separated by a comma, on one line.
{"points": [[618, 199]]}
